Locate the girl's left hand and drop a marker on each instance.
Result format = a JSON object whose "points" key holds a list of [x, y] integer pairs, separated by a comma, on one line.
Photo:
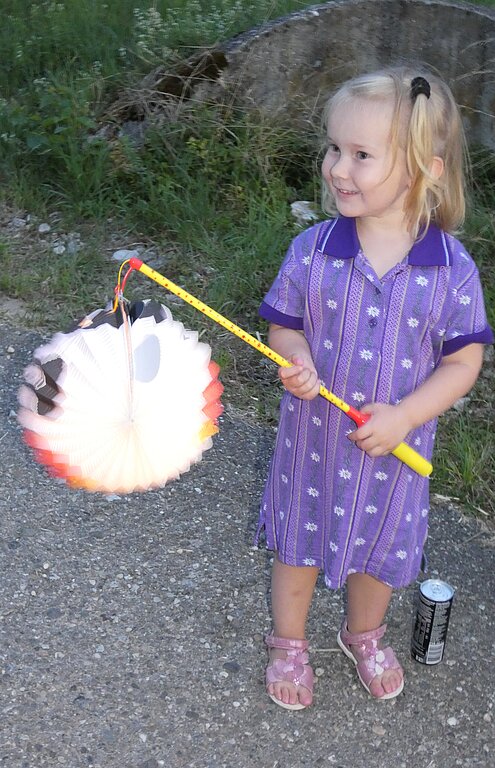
{"points": [[387, 427]]}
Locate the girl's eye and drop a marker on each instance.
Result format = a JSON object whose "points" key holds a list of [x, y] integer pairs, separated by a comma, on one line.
{"points": [[332, 148], [362, 155]]}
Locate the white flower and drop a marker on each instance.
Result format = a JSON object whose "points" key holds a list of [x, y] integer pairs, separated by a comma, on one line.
{"points": [[339, 511], [422, 280], [313, 492], [281, 515], [284, 478], [359, 542], [401, 554], [381, 475], [333, 546], [305, 260], [371, 509], [309, 561], [424, 513], [315, 456], [345, 474], [338, 263], [371, 277], [366, 354], [417, 441], [311, 527], [317, 421], [373, 311], [464, 299], [408, 517], [290, 407], [332, 304], [288, 442], [406, 362], [328, 344], [358, 397], [412, 322]]}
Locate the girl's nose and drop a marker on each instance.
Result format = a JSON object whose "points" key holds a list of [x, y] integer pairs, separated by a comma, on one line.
{"points": [[340, 168]]}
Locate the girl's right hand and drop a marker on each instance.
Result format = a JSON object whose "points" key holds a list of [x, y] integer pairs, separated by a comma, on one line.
{"points": [[301, 379]]}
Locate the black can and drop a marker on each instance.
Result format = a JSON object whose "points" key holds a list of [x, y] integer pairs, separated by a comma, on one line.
{"points": [[431, 621]]}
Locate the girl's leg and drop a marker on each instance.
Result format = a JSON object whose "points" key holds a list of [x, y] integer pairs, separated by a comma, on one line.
{"points": [[292, 591], [368, 600]]}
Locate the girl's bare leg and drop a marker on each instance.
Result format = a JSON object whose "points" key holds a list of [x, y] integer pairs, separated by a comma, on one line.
{"points": [[368, 600], [292, 591]]}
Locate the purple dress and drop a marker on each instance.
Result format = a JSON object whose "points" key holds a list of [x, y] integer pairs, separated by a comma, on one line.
{"points": [[326, 503]]}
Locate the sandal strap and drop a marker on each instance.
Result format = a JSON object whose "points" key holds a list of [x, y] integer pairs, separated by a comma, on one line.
{"points": [[361, 637], [285, 643]]}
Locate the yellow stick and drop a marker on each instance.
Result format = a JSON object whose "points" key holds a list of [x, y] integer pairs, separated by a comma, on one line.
{"points": [[403, 452]]}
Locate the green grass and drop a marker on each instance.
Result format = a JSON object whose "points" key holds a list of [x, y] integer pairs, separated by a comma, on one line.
{"points": [[208, 193]]}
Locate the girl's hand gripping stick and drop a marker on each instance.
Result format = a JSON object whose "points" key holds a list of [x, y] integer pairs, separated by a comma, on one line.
{"points": [[403, 451]]}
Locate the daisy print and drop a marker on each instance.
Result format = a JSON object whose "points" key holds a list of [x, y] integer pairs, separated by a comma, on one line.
{"points": [[373, 311], [358, 397], [366, 354], [313, 492], [315, 456], [412, 322], [331, 304], [406, 362], [381, 476], [345, 474], [311, 527], [422, 281], [339, 511], [338, 263], [328, 344], [316, 421], [464, 299]]}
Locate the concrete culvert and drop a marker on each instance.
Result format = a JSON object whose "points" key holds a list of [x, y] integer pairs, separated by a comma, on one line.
{"points": [[289, 66]]}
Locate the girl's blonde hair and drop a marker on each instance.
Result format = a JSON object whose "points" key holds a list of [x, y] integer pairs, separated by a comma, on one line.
{"points": [[424, 127]]}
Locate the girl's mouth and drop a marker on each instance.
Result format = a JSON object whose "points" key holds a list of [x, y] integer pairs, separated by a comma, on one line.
{"points": [[344, 192]]}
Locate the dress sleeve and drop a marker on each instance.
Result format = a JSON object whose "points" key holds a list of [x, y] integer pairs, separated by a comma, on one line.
{"points": [[467, 322], [285, 302]]}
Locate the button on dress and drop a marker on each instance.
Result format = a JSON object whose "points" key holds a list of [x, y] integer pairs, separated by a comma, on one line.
{"points": [[326, 503]]}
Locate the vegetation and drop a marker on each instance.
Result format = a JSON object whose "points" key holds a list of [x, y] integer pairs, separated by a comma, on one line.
{"points": [[206, 194]]}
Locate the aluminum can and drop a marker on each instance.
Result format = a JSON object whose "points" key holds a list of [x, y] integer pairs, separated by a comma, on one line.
{"points": [[431, 621]]}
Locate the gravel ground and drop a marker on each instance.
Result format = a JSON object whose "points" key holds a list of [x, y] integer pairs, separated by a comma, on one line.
{"points": [[131, 632]]}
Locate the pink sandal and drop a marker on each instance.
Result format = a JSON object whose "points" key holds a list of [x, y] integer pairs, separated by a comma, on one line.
{"points": [[370, 660], [293, 669]]}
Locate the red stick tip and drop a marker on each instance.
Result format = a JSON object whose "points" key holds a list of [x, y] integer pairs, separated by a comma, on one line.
{"points": [[135, 263]]}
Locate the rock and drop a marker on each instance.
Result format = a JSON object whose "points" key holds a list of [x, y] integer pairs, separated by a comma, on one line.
{"points": [[303, 212], [123, 253], [43, 229]]}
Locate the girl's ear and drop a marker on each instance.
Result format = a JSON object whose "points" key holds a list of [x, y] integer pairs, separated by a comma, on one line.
{"points": [[437, 167]]}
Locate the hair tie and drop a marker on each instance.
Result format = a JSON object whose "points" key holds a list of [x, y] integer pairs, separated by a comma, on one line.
{"points": [[420, 85]]}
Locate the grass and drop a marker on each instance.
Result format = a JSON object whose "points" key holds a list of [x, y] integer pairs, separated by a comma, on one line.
{"points": [[207, 197]]}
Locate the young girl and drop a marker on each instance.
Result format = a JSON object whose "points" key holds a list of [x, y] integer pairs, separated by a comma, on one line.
{"points": [[385, 307]]}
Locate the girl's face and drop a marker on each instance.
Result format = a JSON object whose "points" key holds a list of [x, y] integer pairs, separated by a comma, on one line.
{"points": [[359, 165]]}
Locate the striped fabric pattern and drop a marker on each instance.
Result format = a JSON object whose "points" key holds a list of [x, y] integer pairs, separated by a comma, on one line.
{"points": [[326, 503]]}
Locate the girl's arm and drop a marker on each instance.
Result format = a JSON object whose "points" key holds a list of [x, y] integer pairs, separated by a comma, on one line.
{"points": [[301, 379], [390, 424]]}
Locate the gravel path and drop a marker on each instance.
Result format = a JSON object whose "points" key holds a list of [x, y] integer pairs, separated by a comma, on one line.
{"points": [[131, 628]]}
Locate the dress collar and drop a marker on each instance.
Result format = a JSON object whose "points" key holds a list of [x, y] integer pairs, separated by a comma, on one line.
{"points": [[338, 238]]}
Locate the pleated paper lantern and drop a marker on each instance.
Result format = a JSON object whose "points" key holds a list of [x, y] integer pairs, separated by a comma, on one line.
{"points": [[126, 401]]}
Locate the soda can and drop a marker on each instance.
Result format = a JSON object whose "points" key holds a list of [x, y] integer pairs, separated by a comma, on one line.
{"points": [[431, 622]]}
